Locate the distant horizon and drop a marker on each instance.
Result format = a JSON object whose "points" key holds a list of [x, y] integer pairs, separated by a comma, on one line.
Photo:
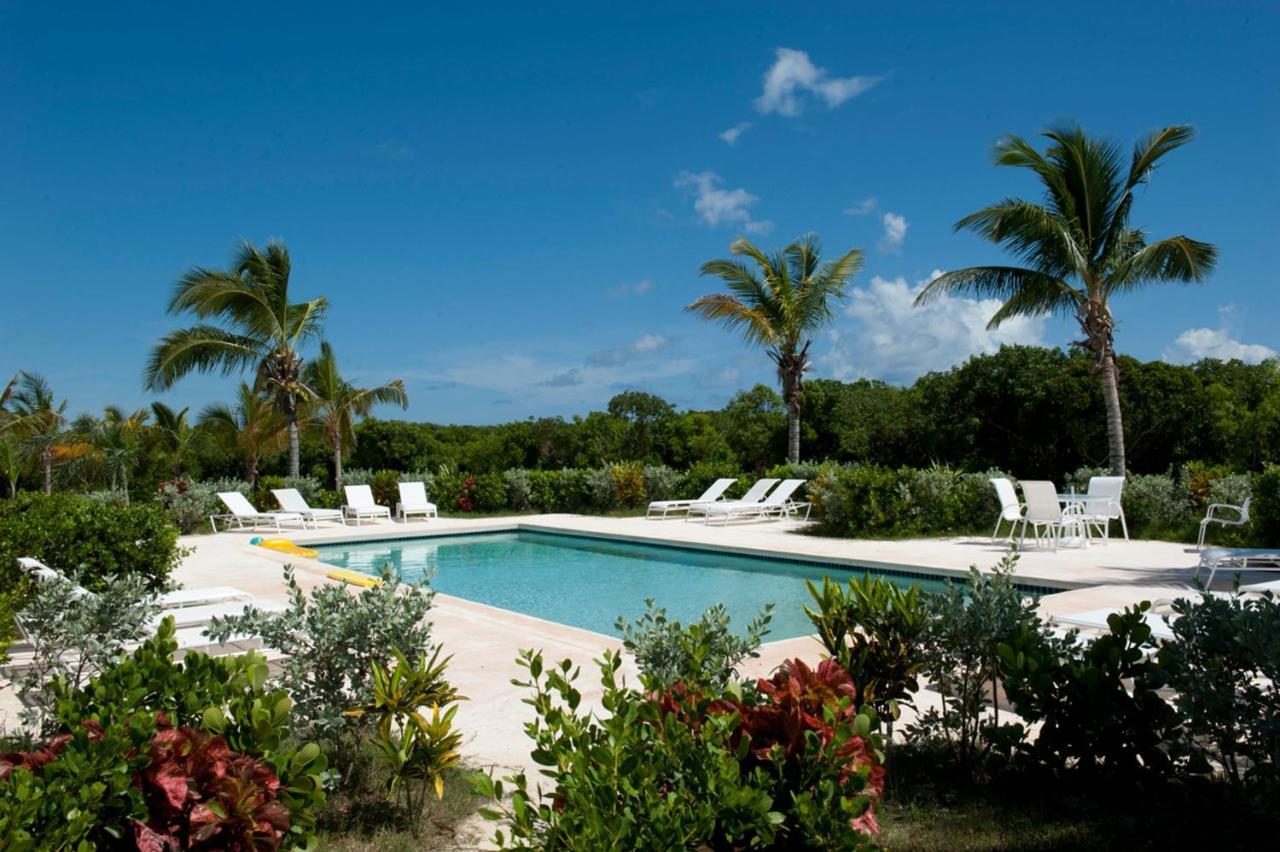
{"points": [[513, 220]]}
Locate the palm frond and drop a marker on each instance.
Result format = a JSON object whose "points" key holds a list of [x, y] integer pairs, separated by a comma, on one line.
{"points": [[1038, 236], [1004, 283], [733, 314], [199, 349], [1177, 258]]}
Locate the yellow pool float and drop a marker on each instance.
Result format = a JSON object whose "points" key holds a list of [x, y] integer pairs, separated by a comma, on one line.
{"points": [[285, 546], [355, 578]]}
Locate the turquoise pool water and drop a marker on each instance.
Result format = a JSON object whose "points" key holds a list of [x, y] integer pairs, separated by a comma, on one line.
{"points": [[588, 582]]}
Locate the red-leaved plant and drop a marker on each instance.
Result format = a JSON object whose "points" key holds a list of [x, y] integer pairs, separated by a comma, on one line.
{"points": [[466, 495]]}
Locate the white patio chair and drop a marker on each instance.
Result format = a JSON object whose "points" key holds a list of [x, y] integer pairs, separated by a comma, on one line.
{"points": [[413, 501], [360, 504], [1214, 516], [240, 510], [179, 598], [713, 494], [1102, 505], [1238, 559], [777, 505], [754, 494], [1010, 508], [1096, 619], [291, 500], [1046, 517]]}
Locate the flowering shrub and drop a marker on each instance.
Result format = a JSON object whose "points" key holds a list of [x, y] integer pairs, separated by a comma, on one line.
{"points": [[628, 483]]}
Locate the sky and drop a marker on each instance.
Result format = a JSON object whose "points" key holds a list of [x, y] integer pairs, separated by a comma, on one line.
{"points": [[507, 204]]}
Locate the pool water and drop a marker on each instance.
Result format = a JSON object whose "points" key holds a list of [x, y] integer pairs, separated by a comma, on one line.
{"points": [[588, 583]]}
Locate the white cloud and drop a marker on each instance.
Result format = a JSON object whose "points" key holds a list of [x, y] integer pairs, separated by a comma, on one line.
{"points": [[731, 135], [861, 208], [639, 288], [793, 72], [1195, 344], [895, 231], [620, 355], [887, 337], [567, 379], [716, 205], [649, 343]]}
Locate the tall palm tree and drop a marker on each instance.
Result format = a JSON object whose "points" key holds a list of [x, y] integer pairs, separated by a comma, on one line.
{"points": [[113, 443], [260, 330], [174, 432], [1077, 247], [779, 305], [251, 427], [336, 403], [39, 418], [12, 453]]}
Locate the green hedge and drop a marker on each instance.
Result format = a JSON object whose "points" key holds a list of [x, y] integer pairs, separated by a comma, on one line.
{"points": [[70, 532], [869, 500]]}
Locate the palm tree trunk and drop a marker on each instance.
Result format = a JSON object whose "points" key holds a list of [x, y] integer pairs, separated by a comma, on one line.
{"points": [[292, 414], [793, 434], [46, 458], [337, 465], [124, 481], [1115, 421]]}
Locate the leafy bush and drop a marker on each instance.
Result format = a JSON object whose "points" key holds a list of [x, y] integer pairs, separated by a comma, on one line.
{"points": [[519, 488], [967, 625], [195, 754], [309, 487], [1223, 667], [1097, 702], [1154, 503], [70, 533], [701, 474], [602, 489], [385, 486], [704, 655], [661, 482], [75, 636], [867, 500], [679, 770], [332, 640], [189, 504], [628, 483], [1266, 506], [489, 494], [875, 631]]}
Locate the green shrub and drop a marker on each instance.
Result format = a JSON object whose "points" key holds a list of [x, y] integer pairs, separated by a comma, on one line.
{"points": [[867, 500], [602, 489], [675, 769], [1223, 667], [628, 484], [661, 482], [447, 488], [489, 493], [1097, 702], [196, 754], [262, 498], [700, 475], [189, 504], [69, 533], [704, 655], [385, 486], [1266, 506], [519, 488], [332, 640], [1153, 503], [573, 493]]}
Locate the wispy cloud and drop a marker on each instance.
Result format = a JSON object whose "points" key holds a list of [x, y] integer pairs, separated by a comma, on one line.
{"points": [[716, 205], [567, 379], [731, 135], [793, 75], [1196, 344], [861, 208], [620, 355], [895, 231], [884, 335], [638, 288]]}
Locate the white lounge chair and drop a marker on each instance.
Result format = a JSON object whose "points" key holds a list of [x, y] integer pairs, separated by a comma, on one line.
{"points": [[1102, 505], [1046, 516], [291, 500], [1010, 507], [413, 501], [177, 599], [1214, 516], [360, 504], [1096, 619], [711, 495], [240, 510], [1238, 559], [777, 505], [754, 495]]}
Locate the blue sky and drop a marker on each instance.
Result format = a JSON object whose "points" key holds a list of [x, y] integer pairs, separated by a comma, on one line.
{"points": [[507, 204]]}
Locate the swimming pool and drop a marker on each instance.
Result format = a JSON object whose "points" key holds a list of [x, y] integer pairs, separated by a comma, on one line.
{"points": [[589, 582]]}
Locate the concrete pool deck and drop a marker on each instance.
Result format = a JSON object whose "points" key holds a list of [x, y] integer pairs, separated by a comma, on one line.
{"points": [[484, 641]]}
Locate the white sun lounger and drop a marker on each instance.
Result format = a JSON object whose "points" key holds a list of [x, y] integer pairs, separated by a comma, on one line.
{"points": [[360, 504], [777, 505], [241, 510], [413, 501], [711, 495], [1096, 619], [291, 500], [1237, 559], [178, 599], [754, 495]]}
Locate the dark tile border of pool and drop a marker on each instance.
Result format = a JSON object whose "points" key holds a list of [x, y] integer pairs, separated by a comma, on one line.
{"points": [[849, 567]]}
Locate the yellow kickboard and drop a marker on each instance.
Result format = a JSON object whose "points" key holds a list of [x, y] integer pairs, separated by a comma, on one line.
{"points": [[285, 546], [353, 577]]}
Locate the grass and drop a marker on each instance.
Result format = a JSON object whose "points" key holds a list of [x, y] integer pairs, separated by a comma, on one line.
{"points": [[365, 822]]}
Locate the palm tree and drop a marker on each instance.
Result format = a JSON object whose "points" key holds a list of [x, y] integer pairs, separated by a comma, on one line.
{"points": [[1078, 247], [336, 403], [12, 455], [251, 428], [38, 417], [174, 432], [260, 330], [113, 442], [779, 305]]}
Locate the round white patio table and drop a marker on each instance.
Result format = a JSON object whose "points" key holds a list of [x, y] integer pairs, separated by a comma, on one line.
{"points": [[1077, 504]]}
